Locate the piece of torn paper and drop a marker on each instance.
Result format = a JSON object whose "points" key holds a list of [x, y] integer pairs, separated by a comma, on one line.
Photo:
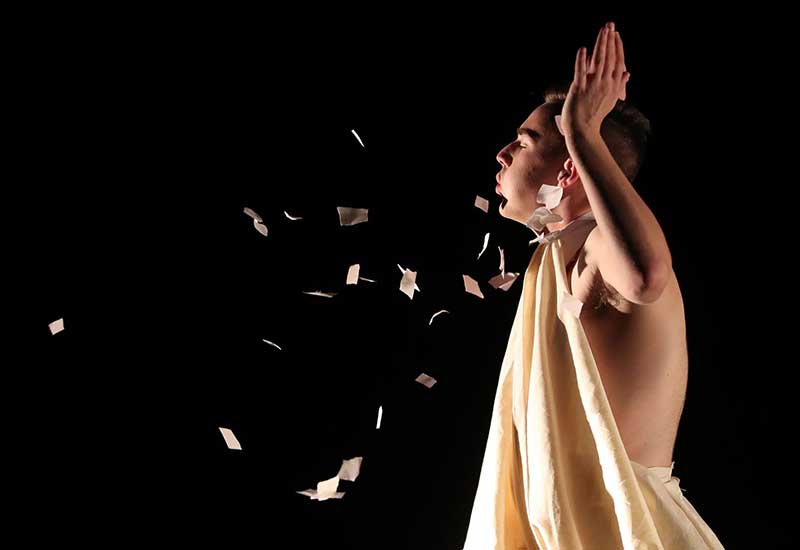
{"points": [[504, 280], [549, 195], [502, 261], [380, 415], [545, 238], [352, 274], [358, 138], [408, 284], [368, 280], [312, 493], [472, 286], [350, 469], [319, 293], [327, 488], [570, 305], [230, 439], [292, 218], [426, 380], [485, 242], [314, 496], [352, 216], [435, 314], [260, 227], [540, 218], [481, 203], [272, 344], [56, 326], [252, 213], [403, 271], [558, 125]]}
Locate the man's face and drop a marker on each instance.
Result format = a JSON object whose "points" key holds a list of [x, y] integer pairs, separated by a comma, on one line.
{"points": [[533, 159]]}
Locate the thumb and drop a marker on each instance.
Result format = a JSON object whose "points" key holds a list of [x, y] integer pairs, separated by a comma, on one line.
{"points": [[625, 78]]}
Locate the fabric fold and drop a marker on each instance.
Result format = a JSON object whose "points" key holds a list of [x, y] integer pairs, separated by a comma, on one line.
{"points": [[555, 473]]}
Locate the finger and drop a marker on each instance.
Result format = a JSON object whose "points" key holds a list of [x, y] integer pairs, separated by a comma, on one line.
{"points": [[577, 77], [600, 54], [620, 55], [611, 56], [582, 68], [593, 60], [623, 93]]}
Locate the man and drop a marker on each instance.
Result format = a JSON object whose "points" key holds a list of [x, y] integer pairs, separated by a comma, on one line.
{"points": [[586, 147]]}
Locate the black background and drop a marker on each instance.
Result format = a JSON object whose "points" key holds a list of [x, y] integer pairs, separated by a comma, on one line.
{"points": [[136, 140]]}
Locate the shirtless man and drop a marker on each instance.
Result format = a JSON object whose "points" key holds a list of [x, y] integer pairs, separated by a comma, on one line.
{"points": [[633, 313]]}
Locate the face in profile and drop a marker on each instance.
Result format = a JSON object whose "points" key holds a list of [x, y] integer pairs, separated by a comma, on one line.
{"points": [[533, 159]]}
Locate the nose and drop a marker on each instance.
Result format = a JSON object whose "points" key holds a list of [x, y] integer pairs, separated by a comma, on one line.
{"points": [[504, 156]]}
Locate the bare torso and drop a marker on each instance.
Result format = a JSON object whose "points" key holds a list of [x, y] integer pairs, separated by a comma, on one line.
{"points": [[641, 354]]}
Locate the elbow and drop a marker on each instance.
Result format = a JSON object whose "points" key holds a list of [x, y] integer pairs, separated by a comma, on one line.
{"points": [[653, 283]]}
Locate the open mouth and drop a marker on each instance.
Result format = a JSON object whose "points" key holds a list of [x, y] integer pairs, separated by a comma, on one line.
{"points": [[499, 191]]}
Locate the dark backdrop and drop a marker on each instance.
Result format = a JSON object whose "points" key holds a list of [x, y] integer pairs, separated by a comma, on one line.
{"points": [[136, 142]]}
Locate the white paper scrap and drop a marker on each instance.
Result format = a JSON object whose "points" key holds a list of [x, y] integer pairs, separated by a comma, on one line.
{"points": [[230, 439], [352, 216], [426, 380], [352, 274], [481, 203], [472, 286], [435, 314], [56, 326]]}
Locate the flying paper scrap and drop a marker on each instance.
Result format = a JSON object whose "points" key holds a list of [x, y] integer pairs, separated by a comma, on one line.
{"points": [[272, 344], [471, 286], [482, 203], [252, 213], [503, 281], [358, 138], [549, 195], [435, 314], [260, 227], [558, 125], [540, 218], [545, 238], [502, 261], [230, 439], [314, 496], [328, 487], [426, 380], [319, 293], [408, 284], [352, 216], [290, 217], [350, 469], [352, 274], [485, 242], [56, 326]]}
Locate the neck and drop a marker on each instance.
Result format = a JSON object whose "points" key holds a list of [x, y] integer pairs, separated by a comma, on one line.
{"points": [[568, 216]]}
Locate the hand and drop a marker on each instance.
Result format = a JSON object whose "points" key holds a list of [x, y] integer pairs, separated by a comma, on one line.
{"points": [[596, 87]]}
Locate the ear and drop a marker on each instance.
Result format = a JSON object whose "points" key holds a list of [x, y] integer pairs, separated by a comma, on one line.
{"points": [[568, 175]]}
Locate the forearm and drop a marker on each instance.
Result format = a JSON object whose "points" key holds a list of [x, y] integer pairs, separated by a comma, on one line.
{"points": [[630, 230]]}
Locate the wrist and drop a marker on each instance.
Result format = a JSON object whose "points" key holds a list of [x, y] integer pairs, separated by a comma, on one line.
{"points": [[581, 134]]}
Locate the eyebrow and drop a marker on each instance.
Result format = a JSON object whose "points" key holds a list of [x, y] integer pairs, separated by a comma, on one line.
{"points": [[533, 134]]}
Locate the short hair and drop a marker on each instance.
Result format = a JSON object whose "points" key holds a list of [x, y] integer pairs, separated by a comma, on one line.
{"points": [[625, 130]]}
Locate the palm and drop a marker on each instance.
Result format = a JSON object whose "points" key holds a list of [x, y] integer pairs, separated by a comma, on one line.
{"points": [[598, 84]]}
